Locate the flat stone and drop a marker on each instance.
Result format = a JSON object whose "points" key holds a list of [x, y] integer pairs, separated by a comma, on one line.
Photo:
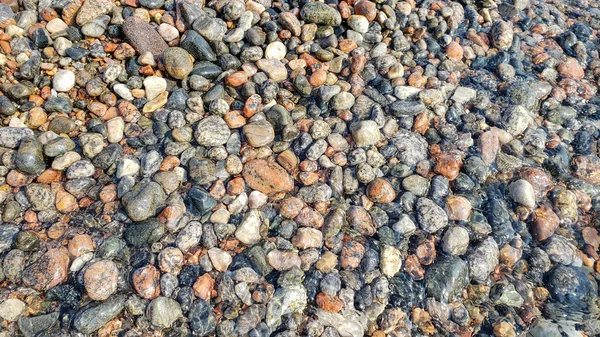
{"points": [[143, 37]]}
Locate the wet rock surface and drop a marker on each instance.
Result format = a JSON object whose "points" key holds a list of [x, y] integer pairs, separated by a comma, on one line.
{"points": [[313, 168]]}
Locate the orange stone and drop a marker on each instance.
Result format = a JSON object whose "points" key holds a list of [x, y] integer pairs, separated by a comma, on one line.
{"points": [[329, 303], [50, 270], [203, 287], [458, 208], [237, 79], [448, 166], [291, 207], [267, 177], [381, 191], [454, 51], [571, 68], [80, 244], [146, 281], [100, 280], [545, 224]]}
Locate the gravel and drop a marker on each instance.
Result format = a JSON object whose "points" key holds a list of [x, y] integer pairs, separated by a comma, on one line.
{"points": [[259, 168]]}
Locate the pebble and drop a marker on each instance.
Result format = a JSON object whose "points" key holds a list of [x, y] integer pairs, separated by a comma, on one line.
{"points": [[163, 312], [100, 280], [63, 80]]}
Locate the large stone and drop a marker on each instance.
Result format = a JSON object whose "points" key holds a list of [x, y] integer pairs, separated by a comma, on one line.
{"points": [[212, 131], [267, 177], [91, 319], [92, 9], [163, 312], [431, 217], [143, 200], [320, 13], [143, 37]]}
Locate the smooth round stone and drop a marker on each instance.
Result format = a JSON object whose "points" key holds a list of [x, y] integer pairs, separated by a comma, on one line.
{"points": [[100, 279], [358, 23], [97, 27], [275, 50], [178, 62], [212, 131], [259, 133], [115, 128], [63, 80], [168, 32], [522, 193], [154, 86], [455, 241], [56, 25], [7, 108], [365, 133], [343, 101], [163, 312]]}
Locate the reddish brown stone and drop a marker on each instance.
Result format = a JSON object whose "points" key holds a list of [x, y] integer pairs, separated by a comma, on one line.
{"points": [[545, 223], [352, 254], [381, 191], [571, 68], [360, 220], [458, 208], [291, 207], [414, 268], [267, 177], [448, 166], [146, 281], [309, 218], [454, 51], [204, 286], [367, 9], [100, 280], [329, 303], [80, 244], [48, 271], [170, 260], [426, 252]]}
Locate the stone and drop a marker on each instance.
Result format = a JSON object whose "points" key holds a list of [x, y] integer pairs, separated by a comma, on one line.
{"points": [[320, 13], [381, 191], [146, 281], [267, 177], [178, 62], [447, 278], [143, 37], [283, 260], [197, 46], [365, 133], [430, 216], [154, 86], [522, 193], [50, 270], [483, 260], [143, 200], [91, 319], [92, 9], [163, 312], [391, 261], [212, 131], [307, 238], [259, 133], [275, 50], [501, 34], [220, 259], [7, 108], [63, 80], [274, 69], [455, 241], [34, 325], [100, 280], [11, 137], [248, 232], [11, 309]]}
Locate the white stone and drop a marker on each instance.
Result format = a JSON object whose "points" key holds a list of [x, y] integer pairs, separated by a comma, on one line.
{"points": [[257, 199], [63, 80], [391, 262], [168, 32], [248, 232], [455, 241], [358, 23], [238, 203], [56, 25], [522, 193], [61, 44], [115, 128], [154, 86], [123, 91], [219, 258], [405, 92], [63, 162], [220, 216], [127, 167], [275, 50], [464, 95], [365, 133], [11, 309]]}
